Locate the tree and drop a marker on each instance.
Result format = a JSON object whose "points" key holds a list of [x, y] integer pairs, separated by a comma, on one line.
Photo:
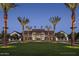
{"points": [[23, 22], [76, 36], [72, 7], [54, 21], [6, 7]]}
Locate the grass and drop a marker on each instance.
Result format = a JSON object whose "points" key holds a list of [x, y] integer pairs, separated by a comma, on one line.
{"points": [[76, 47], [40, 49], [7, 46]]}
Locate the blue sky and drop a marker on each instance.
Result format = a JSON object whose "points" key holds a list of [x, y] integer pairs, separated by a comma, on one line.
{"points": [[38, 15]]}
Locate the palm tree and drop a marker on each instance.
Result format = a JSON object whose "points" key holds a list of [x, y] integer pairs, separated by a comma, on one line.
{"points": [[72, 7], [23, 22], [6, 7], [54, 21]]}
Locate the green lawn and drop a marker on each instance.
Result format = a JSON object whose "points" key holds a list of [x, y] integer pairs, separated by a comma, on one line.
{"points": [[39, 49]]}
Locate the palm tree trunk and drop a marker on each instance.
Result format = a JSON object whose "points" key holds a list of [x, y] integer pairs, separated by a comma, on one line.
{"points": [[5, 28], [23, 33], [73, 28], [54, 31]]}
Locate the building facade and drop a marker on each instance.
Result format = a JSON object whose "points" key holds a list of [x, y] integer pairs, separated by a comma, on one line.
{"points": [[38, 34]]}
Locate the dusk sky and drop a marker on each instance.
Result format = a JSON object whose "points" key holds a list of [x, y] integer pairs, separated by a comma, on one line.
{"points": [[39, 15]]}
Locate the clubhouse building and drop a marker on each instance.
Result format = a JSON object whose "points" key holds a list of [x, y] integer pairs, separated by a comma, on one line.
{"points": [[38, 35]]}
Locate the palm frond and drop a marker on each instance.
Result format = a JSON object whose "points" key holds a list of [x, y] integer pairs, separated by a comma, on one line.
{"points": [[7, 6], [71, 6], [54, 20], [28, 27], [19, 19], [23, 20]]}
